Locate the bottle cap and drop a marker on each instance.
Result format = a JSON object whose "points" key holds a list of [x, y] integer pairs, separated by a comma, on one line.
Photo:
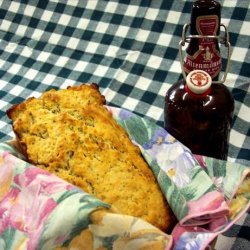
{"points": [[198, 82]]}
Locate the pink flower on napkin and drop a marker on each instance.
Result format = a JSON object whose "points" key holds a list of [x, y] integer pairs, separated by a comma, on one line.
{"points": [[26, 211], [210, 207], [211, 201], [5, 205], [28, 202], [48, 183]]}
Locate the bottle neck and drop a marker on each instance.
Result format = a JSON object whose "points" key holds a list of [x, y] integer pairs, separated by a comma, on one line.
{"points": [[203, 10], [204, 53], [197, 96]]}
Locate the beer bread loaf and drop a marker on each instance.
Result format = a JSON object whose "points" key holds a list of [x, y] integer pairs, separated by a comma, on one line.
{"points": [[71, 134]]}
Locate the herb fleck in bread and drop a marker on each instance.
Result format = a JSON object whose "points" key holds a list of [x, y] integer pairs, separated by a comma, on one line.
{"points": [[71, 134]]}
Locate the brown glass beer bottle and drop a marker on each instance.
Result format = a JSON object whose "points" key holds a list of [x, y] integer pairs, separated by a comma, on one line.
{"points": [[199, 114]]}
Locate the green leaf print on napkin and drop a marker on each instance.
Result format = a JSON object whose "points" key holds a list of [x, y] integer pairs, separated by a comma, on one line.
{"points": [[144, 130], [11, 239], [72, 212], [172, 193], [194, 189], [109, 241], [215, 168], [9, 147], [225, 175], [66, 195], [175, 198]]}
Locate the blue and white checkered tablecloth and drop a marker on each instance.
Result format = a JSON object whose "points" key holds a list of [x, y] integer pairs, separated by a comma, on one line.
{"points": [[130, 49]]}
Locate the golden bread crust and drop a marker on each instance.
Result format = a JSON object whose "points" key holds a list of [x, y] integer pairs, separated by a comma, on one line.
{"points": [[71, 134]]}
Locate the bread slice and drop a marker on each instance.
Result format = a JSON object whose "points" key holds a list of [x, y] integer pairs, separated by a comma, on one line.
{"points": [[71, 134]]}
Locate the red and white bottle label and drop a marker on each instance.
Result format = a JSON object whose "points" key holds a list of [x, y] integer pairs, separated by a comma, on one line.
{"points": [[207, 57]]}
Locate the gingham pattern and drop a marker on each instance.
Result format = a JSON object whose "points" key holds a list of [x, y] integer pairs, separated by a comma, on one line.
{"points": [[130, 48]]}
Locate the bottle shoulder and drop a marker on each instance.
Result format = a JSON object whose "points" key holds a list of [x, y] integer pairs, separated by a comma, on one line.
{"points": [[176, 90], [222, 91], [219, 98]]}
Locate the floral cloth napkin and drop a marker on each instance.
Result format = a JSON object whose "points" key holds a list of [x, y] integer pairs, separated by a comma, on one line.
{"points": [[40, 211]]}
